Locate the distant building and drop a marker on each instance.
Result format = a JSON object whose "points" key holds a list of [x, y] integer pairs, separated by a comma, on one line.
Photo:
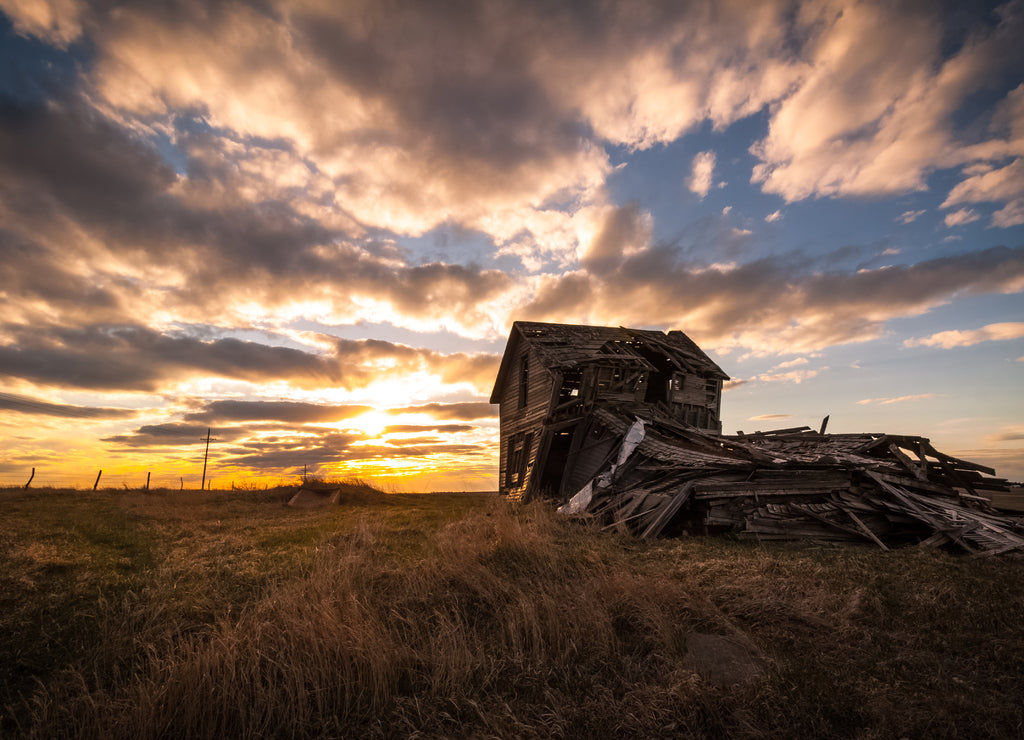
{"points": [[552, 378]]}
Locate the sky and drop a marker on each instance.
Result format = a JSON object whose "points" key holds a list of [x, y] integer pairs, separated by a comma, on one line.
{"points": [[309, 226]]}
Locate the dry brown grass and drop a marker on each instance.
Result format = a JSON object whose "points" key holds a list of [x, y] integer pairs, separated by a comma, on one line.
{"points": [[459, 616]]}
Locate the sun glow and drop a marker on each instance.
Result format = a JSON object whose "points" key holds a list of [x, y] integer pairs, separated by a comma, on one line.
{"points": [[372, 423]]}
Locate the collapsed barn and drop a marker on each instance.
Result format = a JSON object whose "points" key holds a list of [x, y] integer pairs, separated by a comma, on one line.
{"points": [[611, 421]]}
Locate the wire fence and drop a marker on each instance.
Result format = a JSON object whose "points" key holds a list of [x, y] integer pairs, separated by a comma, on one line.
{"points": [[134, 481]]}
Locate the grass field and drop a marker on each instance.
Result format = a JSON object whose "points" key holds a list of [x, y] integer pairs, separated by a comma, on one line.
{"points": [[169, 614]]}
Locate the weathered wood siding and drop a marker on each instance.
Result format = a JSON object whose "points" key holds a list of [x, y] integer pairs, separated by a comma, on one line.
{"points": [[517, 420]]}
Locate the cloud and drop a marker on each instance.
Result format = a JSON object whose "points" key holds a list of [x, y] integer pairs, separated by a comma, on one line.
{"points": [[416, 428], [961, 217], [57, 21], [793, 376], [171, 434], [910, 216], [769, 417], [900, 399], [773, 305], [702, 176], [1000, 184], [406, 138], [874, 112], [216, 412], [624, 231], [142, 359], [1007, 434], [966, 338], [290, 456], [773, 217], [792, 363], [462, 411], [29, 405], [1012, 214]]}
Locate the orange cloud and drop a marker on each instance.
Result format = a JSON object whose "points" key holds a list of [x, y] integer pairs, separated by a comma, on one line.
{"points": [[900, 399], [966, 338]]}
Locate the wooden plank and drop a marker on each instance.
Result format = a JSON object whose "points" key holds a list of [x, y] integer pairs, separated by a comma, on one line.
{"points": [[915, 470], [668, 511], [867, 531]]}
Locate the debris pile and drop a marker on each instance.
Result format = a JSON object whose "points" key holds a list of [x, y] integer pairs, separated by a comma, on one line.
{"points": [[667, 478]]}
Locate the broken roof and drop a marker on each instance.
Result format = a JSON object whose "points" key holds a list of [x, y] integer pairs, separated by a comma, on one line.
{"points": [[565, 346]]}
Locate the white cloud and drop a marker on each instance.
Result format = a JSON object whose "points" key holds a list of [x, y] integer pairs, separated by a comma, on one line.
{"points": [[769, 417], [899, 399], [875, 111], [793, 376], [792, 363], [961, 217], [909, 216], [1012, 214], [726, 210], [966, 338], [1001, 184], [772, 217], [702, 177]]}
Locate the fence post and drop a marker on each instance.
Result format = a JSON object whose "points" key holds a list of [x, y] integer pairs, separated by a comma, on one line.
{"points": [[147, 479], [30, 478], [97, 479]]}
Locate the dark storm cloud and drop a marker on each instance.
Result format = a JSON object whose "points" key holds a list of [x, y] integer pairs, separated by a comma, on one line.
{"points": [[172, 434], [476, 102], [28, 405], [361, 357], [285, 411], [32, 273], [290, 453], [65, 154], [65, 159], [774, 294], [137, 358], [466, 411], [64, 165], [626, 228]]}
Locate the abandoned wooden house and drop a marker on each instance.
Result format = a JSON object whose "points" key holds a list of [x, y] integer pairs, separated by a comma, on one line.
{"points": [[554, 376]]}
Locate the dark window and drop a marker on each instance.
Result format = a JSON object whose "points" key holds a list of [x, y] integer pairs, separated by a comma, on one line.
{"points": [[524, 459], [515, 451], [518, 457]]}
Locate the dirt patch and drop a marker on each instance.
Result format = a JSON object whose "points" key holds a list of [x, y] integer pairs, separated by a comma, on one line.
{"points": [[723, 661]]}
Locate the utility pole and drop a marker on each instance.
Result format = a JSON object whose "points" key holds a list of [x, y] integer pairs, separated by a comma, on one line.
{"points": [[202, 485]]}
